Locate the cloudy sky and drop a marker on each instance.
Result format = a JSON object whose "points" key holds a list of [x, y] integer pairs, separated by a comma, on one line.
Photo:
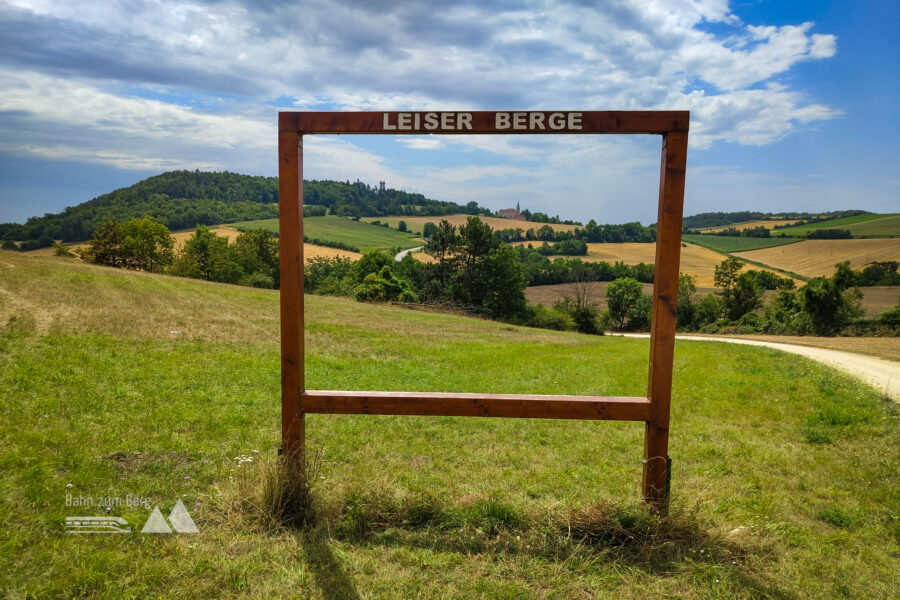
{"points": [[793, 104]]}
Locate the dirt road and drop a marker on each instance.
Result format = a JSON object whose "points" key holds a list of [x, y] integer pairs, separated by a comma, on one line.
{"points": [[881, 374]]}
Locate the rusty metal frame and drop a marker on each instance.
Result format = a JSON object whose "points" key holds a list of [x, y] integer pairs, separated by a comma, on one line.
{"points": [[653, 409]]}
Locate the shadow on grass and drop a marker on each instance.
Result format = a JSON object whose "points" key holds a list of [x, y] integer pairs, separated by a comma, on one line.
{"points": [[327, 570], [577, 539], [602, 533]]}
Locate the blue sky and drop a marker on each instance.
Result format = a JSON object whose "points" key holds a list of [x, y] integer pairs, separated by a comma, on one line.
{"points": [[793, 104]]}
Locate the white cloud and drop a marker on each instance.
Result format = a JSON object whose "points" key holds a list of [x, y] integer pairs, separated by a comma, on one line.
{"points": [[146, 84]]}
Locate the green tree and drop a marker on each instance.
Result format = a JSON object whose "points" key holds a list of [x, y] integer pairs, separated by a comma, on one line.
{"points": [[146, 245], [741, 294], [476, 240], [505, 285], [708, 310], [441, 247], [384, 286], [622, 298], [401, 226], [208, 256], [428, 230], [687, 287], [832, 302], [256, 251], [103, 249]]}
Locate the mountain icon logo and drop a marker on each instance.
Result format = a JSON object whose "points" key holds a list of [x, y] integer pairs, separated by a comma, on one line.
{"points": [[179, 518]]}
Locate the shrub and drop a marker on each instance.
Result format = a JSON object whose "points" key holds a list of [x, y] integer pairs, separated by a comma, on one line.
{"points": [[259, 280], [384, 287], [9, 245], [549, 318], [708, 310]]}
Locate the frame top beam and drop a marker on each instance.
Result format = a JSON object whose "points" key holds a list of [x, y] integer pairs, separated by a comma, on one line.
{"points": [[484, 122]]}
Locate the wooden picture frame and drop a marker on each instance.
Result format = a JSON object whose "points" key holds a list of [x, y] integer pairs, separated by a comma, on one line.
{"points": [[652, 409]]}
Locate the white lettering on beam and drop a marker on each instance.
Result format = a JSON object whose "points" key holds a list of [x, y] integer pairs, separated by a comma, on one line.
{"points": [[462, 121], [445, 121], [537, 121]]}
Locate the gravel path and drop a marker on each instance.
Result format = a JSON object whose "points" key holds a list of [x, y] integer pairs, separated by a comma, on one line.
{"points": [[400, 255], [881, 374]]}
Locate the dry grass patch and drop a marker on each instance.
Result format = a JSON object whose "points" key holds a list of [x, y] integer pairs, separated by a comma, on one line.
{"points": [[815, 258]]}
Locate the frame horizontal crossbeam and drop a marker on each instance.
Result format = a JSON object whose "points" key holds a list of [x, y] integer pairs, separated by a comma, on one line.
{"points": [[527, 406]]}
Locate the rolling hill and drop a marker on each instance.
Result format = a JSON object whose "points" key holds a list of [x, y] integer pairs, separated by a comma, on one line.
{"points": [[185, 199]]}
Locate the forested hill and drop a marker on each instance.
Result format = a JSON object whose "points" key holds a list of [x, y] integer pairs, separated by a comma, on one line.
{"points": [[184, 199], [720, 219]]}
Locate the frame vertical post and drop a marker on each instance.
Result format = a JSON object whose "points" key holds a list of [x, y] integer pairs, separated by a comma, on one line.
{"points": [[654, 488], [290, 230]]}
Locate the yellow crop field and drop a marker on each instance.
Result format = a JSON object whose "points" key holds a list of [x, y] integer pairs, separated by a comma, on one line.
{"points": [[813, 258], [695, 260], [417, 223], [182, 236], [309, 250], [751, 224]]}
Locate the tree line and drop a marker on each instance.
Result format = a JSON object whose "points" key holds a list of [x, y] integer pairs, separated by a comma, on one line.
{"points": [[143, 244], [185, 199]]}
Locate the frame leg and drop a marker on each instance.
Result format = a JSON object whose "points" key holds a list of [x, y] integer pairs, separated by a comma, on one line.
{"points": [[655, 488], [290, 204]]}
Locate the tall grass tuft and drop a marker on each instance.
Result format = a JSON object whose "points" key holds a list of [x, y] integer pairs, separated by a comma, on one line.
{"points": [[273, 495]]}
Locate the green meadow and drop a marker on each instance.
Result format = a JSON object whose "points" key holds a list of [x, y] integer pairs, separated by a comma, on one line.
{"points": [[344, 230], [727, 244], [119, 384], [868, 225]]}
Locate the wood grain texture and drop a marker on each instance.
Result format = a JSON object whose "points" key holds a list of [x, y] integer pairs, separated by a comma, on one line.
{"points": [[483, 122], [475, 405], [290, 233], [662, 328]]}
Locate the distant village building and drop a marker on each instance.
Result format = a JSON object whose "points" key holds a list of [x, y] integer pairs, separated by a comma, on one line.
{"points": [[511, 213]]}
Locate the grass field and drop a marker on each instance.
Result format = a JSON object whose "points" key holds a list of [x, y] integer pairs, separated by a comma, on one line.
{"points": [[415, 224], [784, 477], [851, 223], [888, 226], [812, 258], [767, 223], [341, 229], [728, 244]]}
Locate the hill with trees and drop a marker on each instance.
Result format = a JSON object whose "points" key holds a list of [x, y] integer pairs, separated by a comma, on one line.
{"points": [[185, 199], [721, 219]]}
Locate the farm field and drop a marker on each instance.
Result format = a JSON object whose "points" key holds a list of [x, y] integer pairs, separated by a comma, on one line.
{"points": [[695, 260], [100, 395], [341, 229], [728, 244], [768, 224], [887, 226], [851, 223], [309, 250], [875, 299], [415, 224], [813, 258]]}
